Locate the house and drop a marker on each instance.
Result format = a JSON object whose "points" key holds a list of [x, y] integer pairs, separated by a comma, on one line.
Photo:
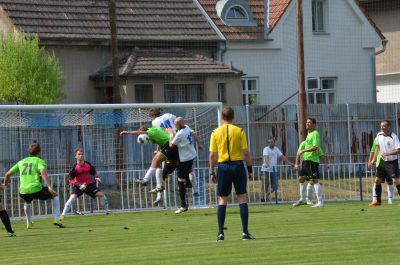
{"points": [[260, 39], [168, 49], [386, 14]]}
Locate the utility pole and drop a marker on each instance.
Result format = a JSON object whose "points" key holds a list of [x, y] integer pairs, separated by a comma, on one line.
{"points": [[300, 68], [116, 95]]}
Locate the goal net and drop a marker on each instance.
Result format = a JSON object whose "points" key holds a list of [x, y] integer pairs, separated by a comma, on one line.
{"points": [[60, 129]]}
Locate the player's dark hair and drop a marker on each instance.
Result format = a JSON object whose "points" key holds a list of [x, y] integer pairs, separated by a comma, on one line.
{"points": [[34, 148], [154, 112], [228, 114], [314, 121], [388, 122], [143, 128], [79, 149]]}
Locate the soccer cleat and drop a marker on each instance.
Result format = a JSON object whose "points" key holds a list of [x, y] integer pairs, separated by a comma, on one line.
{"points": [[181, 210], [220, 238], [58, 223], [390, 201], [309, 202], [247, 236], [156, 190], [141, 182], [375, 203], [29, 226], [10, 234], [318, 204], [62, 217], [157, 202], [298, 203]]}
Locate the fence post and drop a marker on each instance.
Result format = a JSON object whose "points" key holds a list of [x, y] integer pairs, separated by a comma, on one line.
{"points": [[360, 174], [348, 131], [275, 184]]}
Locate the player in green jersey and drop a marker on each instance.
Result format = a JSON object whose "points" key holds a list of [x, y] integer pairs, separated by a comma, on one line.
{"points": [[32, 171], [309, 168], [160, 137], [389, 181]]}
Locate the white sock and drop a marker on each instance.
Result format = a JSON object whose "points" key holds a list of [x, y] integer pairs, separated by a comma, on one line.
{"points": [[390, 191], [310, 189], [302, 189], [28, 213], [159, 177], [68, 204], [150, 172], [159, 194], [193, 180], [318, 192], [104, 202], [56, 207], [374, 193]]}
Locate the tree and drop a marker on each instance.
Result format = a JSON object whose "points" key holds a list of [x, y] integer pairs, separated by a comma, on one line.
{"points": [[27, 72]]}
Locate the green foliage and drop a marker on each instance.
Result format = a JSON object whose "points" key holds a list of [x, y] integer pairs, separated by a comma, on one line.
{"points": [[339, 233], [27, 72]]}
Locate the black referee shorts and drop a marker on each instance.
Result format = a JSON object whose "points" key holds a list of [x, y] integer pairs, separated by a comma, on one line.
{"points": [[231, 173]]}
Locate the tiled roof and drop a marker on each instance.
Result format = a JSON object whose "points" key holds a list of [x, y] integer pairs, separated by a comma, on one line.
{"points": [[370, 19], [276, 10], [88, 19], [170, 62]]}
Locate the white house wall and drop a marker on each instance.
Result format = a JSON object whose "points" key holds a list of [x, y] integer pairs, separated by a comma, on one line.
{"points": [[388, 88], [339, 54]]}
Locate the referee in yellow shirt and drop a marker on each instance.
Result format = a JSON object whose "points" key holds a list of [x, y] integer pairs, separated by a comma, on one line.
{"points": [[228, 143]]}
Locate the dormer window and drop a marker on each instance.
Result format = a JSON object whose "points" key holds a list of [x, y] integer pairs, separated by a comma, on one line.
{"points": [[237, 13]]}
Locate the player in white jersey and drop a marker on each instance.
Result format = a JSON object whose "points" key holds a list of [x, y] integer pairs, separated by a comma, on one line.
{"points": [[389, 145], [184, 140]]}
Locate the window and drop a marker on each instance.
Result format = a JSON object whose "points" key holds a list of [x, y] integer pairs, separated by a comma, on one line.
{"points": [[222, 92], [144, 93], [183, 93], [319, 15], [250, 91], [321, 90], [237, 12]]}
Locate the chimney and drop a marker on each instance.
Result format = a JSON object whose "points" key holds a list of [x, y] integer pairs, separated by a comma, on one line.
{"points": [[266, 19]]}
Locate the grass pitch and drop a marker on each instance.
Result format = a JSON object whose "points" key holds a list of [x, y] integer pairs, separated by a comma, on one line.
{"points": [[339, 233]]}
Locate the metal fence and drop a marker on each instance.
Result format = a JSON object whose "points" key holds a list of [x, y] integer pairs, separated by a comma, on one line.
{"points": [[340, 182]]}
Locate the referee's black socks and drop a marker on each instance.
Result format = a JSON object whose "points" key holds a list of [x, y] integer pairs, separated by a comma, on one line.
{"points": [[221, 212], [6, 221], [244, 215]]}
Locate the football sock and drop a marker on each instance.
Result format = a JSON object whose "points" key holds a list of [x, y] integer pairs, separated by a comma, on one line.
{"points": [[150, 172], [56, 207], [28, 210], [244, 215], [390, 191], [398, 188], [6, 221], [159, 195], [318, 192], [182, 193], [104, 202], [192, 178], [374, 192], [221, 212], [302, 189], [68, 204], [310, 189], [159, 178], [378, 189]]}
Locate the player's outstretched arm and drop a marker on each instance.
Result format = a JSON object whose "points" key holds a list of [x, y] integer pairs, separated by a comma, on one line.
{"points": [[137, 132], [45, 178], [7, 178], [197, 140]]}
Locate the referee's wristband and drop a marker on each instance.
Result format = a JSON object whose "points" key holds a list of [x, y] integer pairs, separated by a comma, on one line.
{"points": [[250, 169], [212, 174]]}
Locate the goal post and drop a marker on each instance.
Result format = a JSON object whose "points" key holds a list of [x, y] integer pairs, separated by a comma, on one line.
{"points": [[95, 127]]}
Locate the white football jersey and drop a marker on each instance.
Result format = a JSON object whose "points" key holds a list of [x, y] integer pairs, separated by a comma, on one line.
{"points": [[165, 121], [184, 141], [388, 143]]}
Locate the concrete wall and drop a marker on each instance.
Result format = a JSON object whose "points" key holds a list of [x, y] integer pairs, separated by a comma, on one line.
{"points": [[388, 88], [344, 52]]}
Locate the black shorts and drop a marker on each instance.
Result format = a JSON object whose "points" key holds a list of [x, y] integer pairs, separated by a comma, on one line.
{"points": [[184, 169], [42, 195], [228, 173], [169, 167], [90, 190], [171, 153], [388, 169], [309, 170]]}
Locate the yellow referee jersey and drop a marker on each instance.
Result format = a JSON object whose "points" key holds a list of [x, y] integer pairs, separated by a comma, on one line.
{"points": [[228, 141]]}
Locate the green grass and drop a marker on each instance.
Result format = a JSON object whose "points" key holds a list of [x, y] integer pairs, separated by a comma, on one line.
{"points": [[339, 233]]}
